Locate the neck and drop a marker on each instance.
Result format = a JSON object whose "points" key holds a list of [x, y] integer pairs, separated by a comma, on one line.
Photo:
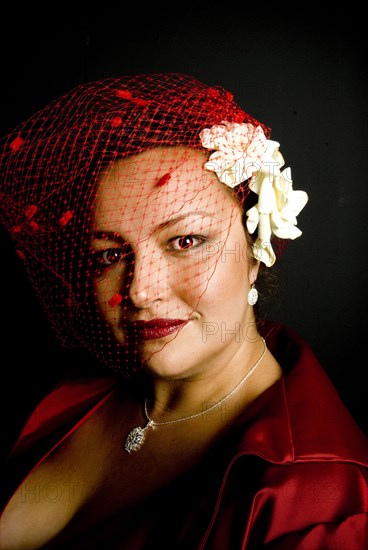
{"points": [[171, 399]]}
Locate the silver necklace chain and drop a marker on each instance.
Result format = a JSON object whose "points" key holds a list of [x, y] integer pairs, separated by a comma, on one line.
{"points": [[136, 436]]}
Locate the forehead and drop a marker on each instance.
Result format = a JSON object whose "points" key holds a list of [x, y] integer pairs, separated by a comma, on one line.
{"points": [[158, 184]]}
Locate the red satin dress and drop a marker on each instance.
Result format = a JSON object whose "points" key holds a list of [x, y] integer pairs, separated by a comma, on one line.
{"points": [[291, 474]]}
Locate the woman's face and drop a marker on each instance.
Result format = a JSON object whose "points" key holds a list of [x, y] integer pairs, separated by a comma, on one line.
{"points": [[172, 262]]}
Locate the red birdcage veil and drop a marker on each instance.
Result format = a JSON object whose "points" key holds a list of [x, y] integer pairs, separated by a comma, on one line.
{"points": [[118, 144]]}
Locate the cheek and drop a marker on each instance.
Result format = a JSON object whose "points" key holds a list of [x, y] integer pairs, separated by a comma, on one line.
{"points": [[229, 281], [189, 280], [108, 292], [217, 283]]}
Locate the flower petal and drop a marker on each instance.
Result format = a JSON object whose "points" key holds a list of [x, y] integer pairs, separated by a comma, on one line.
{"points": [[242, 152], [287, 231], [253, 219], [263, 252]]}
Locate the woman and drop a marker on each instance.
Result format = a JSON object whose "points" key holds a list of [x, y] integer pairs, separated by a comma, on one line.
{"points": [[147, 210]]}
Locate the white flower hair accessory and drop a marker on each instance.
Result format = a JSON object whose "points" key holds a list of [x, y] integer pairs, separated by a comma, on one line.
{"points": [[241, 152]]}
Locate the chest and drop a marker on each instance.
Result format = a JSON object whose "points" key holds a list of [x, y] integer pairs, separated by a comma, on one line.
{"points": [[90, 479]]}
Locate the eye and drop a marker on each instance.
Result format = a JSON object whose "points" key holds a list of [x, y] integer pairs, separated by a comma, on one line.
{"points": [[111, 256], [105, 258], [184, 242]]}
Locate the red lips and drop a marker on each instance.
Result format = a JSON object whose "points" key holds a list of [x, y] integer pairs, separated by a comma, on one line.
{"points": [[156, 328]]}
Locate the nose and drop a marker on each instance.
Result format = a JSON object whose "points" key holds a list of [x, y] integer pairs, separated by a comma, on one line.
{"points": [[150, 278]]}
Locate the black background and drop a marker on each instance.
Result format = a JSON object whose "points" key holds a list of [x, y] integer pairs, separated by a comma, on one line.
{"points": [[301, 72]]}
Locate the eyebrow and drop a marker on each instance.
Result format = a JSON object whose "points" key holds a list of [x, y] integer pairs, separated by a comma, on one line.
{"points": [[116, 237], [180, 217], [108, 236]]}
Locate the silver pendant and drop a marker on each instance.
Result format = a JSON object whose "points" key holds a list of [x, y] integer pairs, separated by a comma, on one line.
{"points": [[136, 438]]}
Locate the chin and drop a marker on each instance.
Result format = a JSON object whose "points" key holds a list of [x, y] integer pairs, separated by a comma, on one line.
{"points": [[165, 363]]}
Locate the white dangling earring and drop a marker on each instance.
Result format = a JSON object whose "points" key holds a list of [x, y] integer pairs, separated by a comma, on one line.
{"points": [[252, 295]]}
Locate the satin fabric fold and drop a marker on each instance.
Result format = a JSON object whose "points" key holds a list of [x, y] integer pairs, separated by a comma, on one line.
{"points": [[292, 473]]}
